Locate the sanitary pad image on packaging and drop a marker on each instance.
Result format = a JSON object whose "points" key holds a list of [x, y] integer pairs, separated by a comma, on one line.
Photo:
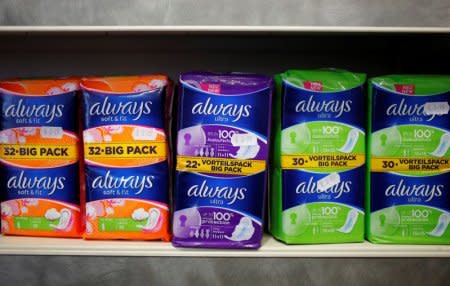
{"points": [[126, 154], [39, 157], [408, 191], [222, 153], [318, 169]]}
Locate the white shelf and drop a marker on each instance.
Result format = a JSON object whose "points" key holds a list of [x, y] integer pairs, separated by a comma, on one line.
{"points": [[11, 245], [199, 29]]}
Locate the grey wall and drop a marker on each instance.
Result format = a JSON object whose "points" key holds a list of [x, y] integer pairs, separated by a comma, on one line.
{"points": [[48, 270], [226, 12]]}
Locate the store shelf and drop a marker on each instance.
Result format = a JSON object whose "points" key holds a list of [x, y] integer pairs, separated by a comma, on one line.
{"points": [[271, 248], [218, 29]]}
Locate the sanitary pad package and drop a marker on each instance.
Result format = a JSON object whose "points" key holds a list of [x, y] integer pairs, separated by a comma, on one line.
{"points": [[126, 154], [222, 154], [39, 169], [317, 193], [408, 194]]}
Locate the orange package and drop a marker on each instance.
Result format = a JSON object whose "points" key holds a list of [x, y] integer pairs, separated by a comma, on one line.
{"points": [[127, 158], [39, 158]]}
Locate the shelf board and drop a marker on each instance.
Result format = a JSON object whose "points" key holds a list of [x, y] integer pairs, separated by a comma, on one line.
{"points": [[10, 245], [201, 29]]}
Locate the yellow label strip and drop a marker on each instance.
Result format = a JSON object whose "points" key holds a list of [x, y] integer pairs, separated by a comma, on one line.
{"points": [[220, 165], [386, 164], [124, 150], [337, 161], [38, 151]]}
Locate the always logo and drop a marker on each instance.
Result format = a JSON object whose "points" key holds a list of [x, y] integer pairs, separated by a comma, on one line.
{"points": [[25, 110], [332, 106], [129, 107], [402, 189], [109, 182], [405, 109], [236, 111], [310, 187], [45, 183], [232, 194]]}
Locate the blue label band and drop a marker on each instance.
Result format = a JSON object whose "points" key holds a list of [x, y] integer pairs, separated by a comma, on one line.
{"points": [[145, 108], [390, 189], [301, 105], [243, 194], [27, 111], [60, 184], [391, 108], [249, 111], [300, 187], [146, 183]]}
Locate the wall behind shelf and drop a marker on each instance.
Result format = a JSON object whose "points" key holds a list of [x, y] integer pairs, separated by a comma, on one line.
{"points": [[47, 270], [227, 12]]}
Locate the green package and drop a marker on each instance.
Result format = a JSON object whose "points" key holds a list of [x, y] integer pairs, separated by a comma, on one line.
{"points": [[318, 153], [408, 195]]}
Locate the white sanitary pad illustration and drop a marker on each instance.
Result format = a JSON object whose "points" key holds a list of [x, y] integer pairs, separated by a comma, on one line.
{"points": [[441, 226], [246, 152], [52, 214], [30, 202], [152, 220], [116, 202], [22, 139], [70, 86], [114, 129], [89, 227], [350, 222], [443, 146], [10, 208], [28, 131], [52, 132], [55, 90], [109, 210], [5, 226], [6, 210], [139, 214], [90, 211], [140, 87], [156, 83], [243, 231], [350, 143], [94, 209], [8, 137], [142, 133], [92, 136], [65, 220]]}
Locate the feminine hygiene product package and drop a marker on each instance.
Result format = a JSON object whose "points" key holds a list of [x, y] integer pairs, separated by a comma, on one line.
{"points": [[126, 153], [222, 157]]}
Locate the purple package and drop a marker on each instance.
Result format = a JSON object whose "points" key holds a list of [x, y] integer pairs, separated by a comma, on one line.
{"points": [[222, 158]]}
